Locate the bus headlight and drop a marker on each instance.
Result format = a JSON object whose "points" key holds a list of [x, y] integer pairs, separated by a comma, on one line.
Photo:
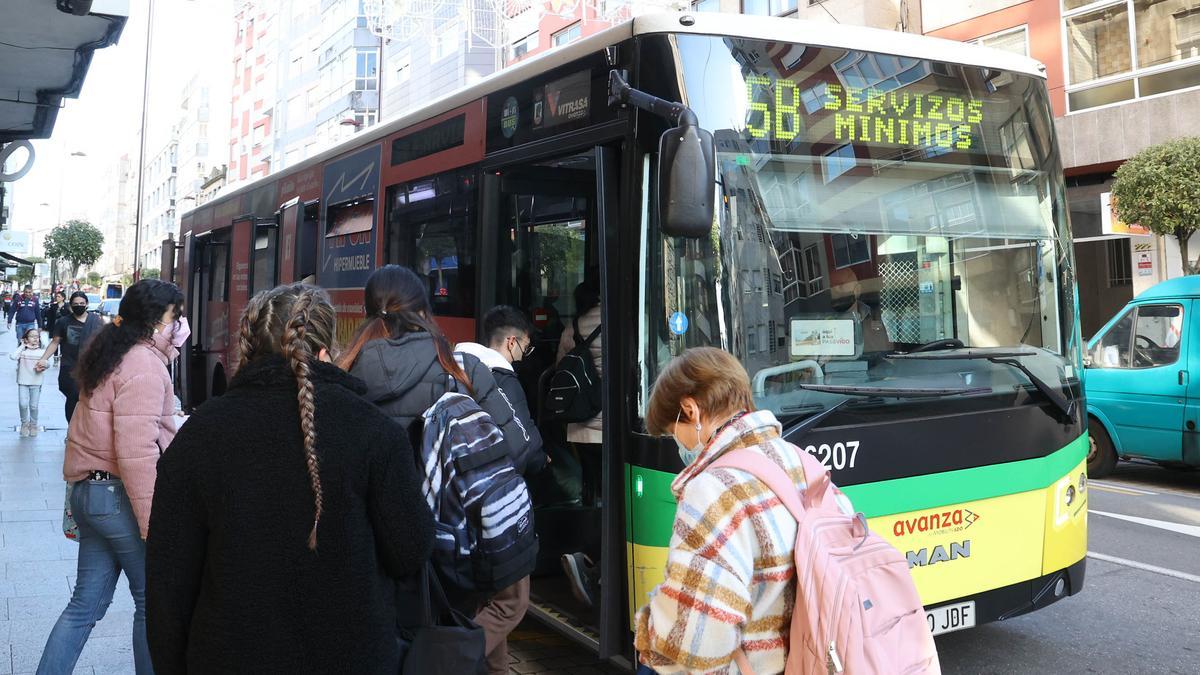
{"points": [[1069, 495], [1082, 481]]}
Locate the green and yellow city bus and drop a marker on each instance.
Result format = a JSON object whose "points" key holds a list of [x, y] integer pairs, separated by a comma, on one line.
{"points": [[882, 241]]}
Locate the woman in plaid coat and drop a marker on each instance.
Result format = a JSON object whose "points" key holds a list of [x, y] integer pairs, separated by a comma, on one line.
{"points": [[730, 576]]}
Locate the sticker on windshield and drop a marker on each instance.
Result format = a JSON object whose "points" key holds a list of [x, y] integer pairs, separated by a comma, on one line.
{"points": [[678, 323], [823, 337]]}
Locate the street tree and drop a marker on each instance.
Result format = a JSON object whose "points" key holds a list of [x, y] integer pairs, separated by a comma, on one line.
{"points": [[1159, 188], [78, 242], [94, 278], [151, 273]]}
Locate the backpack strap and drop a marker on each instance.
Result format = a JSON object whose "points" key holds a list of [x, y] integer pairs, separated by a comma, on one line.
{"points": [[584, 341], [816, 477]]}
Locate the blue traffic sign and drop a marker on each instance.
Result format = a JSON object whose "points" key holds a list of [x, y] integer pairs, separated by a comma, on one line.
{"points": [[678, 323]]}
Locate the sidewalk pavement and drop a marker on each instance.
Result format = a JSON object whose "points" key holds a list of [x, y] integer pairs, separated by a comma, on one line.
{"points": [[38, 562]]}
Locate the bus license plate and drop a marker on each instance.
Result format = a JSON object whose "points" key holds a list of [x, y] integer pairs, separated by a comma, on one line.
{"points": [[949, 618]]}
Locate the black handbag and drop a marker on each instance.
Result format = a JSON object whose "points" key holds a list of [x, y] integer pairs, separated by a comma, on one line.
{"points": [[446, 640]]}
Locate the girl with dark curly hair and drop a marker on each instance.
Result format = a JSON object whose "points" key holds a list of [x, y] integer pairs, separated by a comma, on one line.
{"points": [[125, 417]]}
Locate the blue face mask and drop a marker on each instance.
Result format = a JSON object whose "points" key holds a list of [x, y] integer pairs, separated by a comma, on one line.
{"points": [[688, 455]]}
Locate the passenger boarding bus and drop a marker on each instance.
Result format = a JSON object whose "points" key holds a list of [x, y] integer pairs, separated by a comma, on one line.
{"points": [[879, 234]]}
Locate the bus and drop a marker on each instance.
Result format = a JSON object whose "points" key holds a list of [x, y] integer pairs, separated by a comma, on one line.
{"points": [[873, 222]]}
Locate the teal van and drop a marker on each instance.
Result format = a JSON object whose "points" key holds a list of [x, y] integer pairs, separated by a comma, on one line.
{"points": [[1142, 380]]}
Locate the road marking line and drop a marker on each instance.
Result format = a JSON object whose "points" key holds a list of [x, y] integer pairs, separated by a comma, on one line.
{"points": [[1109, 488], [1190, 530], [1119, 488], [1145, 567]]}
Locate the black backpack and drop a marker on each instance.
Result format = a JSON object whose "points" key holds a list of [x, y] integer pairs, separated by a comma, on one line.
{"points": [[574, 394]]}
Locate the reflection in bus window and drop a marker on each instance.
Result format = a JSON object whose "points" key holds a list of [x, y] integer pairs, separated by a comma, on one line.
{"points": [[265, 246], [306, 242], [431, 229], [218, 265]]}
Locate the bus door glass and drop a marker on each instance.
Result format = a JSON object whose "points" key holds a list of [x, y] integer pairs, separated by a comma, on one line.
{"points": [[431, 229], [266, 252], [289, 223], [307, 244], [546, 264]]}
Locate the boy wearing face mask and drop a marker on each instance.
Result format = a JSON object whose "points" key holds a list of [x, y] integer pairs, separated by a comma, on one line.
{"points": [[70, 334], [509, 338]]}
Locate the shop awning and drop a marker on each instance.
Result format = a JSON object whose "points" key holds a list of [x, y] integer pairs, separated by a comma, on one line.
{"points": [[45, 53]]}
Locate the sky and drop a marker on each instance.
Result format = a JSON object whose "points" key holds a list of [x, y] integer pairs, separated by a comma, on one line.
{"points": [[189, 35]]}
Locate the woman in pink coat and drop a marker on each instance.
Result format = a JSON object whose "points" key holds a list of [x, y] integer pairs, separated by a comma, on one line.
{"points": [[124, 420]]}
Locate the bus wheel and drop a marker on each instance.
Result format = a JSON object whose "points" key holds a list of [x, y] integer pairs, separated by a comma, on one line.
{"points": [[1102, 458]]}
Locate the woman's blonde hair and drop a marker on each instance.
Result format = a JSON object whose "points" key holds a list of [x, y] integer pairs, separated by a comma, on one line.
{"points": [[714, 378], [296, 322]]}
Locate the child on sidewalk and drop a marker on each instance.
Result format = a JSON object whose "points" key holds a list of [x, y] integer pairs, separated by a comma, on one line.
{"points": [[29, 379]]}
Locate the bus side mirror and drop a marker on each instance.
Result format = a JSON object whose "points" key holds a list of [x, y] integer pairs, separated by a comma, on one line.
{"points": [[687, 175]]}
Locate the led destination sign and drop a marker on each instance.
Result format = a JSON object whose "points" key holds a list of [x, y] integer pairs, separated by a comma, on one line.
{"points": [[864, 115]]}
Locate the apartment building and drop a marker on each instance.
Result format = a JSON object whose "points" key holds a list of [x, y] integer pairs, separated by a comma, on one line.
{"points": [[118, 219], [1123, 75], [159, 198]]}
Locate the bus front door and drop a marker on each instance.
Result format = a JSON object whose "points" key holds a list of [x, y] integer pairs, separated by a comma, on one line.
{"points": [[548, 262]]}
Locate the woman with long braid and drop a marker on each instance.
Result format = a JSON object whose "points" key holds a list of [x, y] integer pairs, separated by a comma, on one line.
{"points": [[285, 513]]}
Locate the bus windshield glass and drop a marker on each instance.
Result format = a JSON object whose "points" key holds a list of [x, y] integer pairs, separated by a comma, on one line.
{"points": [[869, 205]]}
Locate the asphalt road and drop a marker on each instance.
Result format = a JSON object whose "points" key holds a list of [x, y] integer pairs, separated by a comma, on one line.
{"points": [[1139, 611]]}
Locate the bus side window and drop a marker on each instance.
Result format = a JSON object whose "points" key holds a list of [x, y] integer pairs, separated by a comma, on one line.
{"points": [[306, 242]]}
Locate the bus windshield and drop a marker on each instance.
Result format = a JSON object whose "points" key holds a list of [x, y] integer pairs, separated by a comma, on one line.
{"points": [[869, 206]]}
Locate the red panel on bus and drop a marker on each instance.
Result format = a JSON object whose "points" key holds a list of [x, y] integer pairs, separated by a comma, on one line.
{"points": [[429, 157], [239, 278]]}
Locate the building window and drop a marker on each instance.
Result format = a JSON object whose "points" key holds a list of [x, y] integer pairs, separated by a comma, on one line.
{"points": [[524, 46], [445, 43], [366, 70], [568, 34], [1015, 41], [1098, 44], [879, 71], [707, 5], [838, 161], [814, 98], [813, 277], [364, 119], [403, 67], [1106, 66], [1120, 265], [850, 249]]}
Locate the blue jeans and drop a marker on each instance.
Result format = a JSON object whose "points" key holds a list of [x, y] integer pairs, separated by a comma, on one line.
{"points": [[22, 327], [28, 397], [109, 541]]}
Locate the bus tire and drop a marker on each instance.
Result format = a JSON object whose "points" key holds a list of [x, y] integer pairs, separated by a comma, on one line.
{"points": [[1102, 457]]}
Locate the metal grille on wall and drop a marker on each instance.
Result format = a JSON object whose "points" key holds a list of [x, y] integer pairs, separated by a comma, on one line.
{"points": [[900, 299]]}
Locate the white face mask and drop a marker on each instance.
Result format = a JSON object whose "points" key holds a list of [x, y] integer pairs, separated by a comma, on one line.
{"points": [[688, 455]]}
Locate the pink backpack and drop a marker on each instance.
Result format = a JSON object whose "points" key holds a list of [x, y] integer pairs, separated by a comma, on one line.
{"points": [[856, 608]]}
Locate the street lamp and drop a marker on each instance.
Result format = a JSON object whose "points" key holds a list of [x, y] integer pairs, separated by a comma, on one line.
{"points": [[141, 186]]}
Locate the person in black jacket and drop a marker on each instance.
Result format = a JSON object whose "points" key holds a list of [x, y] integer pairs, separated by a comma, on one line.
{"points": [[54, 311], [509, 337], [407, 363], [285, 513]]}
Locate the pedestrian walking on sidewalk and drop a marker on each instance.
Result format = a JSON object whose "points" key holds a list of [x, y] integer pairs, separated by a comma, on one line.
{"points": [[9, 308], [54, 311], [298, 572], [27, 312], [126, 415], [69, 337], [29, 380]]}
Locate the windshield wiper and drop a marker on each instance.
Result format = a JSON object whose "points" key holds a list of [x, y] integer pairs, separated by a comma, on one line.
{"points": [[795, 432], [1002, 357], [894, 392]]}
